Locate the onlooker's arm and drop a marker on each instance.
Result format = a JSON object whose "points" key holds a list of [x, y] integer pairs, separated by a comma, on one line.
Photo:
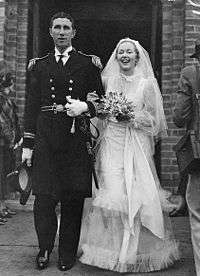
{"points": [[184, 107]]}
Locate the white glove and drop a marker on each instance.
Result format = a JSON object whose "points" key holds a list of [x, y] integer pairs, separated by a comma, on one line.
{"points": [[75, 107], [27, 156], [18, 144]]}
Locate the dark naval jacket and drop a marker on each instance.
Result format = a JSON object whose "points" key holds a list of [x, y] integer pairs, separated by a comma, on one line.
{"points": [[60, 158]]}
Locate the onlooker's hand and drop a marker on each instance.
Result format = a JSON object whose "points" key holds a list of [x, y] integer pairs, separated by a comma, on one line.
{"points": [[180, 203], [18, 144], [27, 156]]}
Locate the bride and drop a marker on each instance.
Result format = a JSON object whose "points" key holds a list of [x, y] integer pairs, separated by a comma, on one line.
{"points": [[127, 228]]}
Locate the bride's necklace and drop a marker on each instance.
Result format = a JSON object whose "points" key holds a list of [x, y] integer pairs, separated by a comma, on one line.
{"points": [[123, 81]]}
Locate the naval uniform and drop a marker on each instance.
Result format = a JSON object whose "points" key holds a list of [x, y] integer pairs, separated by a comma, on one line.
{"points": [[61, 168]]}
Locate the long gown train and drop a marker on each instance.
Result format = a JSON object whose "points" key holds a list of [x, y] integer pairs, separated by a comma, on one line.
{"points": [[127, 228]]}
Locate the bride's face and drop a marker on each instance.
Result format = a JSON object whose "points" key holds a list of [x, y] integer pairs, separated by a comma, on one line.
{"points": [[126, 56]]}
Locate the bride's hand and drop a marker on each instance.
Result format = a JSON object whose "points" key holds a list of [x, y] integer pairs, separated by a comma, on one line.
{"points": [[142, 120]]}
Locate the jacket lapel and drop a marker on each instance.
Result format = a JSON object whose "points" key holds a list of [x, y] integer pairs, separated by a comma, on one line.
{"points": [[73, 64]]}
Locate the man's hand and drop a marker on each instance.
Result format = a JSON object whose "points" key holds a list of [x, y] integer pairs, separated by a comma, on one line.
{"points": [[75, 107], [27, 156]]}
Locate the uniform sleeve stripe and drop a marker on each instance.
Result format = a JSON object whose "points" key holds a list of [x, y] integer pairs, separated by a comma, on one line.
{"points": [[29, 135]]}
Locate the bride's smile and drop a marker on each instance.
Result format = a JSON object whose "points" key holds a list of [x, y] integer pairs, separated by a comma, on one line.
{"points": [[126, 57]]}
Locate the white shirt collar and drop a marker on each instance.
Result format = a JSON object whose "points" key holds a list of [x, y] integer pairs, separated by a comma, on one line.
{"points": [[65, 54]]}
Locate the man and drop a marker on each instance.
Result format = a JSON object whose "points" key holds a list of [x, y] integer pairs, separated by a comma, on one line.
{"points": [[59, 86], [184, 115]]}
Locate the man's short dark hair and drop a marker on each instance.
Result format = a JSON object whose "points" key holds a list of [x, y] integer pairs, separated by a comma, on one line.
{"points": [[62, 15]]}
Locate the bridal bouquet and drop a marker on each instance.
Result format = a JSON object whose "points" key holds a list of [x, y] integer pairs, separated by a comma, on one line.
{"points": [[116, 105]]}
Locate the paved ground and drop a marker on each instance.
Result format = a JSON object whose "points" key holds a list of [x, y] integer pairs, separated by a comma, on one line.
{"points": [[18, 248]]}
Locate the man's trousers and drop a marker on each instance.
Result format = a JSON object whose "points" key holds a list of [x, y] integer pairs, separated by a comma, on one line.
{"points": [[193, 201], [45, 219]]}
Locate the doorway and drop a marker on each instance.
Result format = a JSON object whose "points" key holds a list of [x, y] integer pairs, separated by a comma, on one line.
{"points": [[100, 24]]}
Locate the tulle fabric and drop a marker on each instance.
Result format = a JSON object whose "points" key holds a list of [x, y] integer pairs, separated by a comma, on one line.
{"points": [[143, 70], [115, 236], [105, 245], [127, 228]]}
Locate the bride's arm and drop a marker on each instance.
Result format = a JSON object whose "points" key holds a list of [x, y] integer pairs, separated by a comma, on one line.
{"points": [[151, 117]]}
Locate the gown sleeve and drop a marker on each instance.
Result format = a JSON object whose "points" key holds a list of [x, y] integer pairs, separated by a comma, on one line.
{"points": [[151, 117]]}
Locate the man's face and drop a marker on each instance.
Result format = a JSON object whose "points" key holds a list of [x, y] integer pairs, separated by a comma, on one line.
{"points": [[62, 33]]}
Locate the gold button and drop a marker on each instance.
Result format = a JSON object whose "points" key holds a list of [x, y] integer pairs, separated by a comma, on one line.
{"points": [[51, 80], [71, 81], [52, 88], [70, 88], [53, 96]]}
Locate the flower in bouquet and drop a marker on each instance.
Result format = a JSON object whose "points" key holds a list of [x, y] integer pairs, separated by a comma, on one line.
{"points": [[116, 105]]}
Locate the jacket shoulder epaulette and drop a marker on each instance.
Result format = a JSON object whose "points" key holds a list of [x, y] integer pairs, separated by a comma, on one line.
{"points": [[33, 61], [95, 60]]}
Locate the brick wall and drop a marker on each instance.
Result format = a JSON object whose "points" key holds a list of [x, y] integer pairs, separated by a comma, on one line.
{"points": [[2, 23], [15, 45], [181, 27], [172, 62], [192, 30]]}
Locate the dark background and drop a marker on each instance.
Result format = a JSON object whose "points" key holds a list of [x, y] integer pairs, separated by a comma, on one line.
{"points": [[100, 24]]}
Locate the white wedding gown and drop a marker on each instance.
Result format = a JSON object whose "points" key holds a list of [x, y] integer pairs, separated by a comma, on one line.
{"points": [[126, 229]]}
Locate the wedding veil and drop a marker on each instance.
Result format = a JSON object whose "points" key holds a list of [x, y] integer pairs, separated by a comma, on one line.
{"points": [[144, 70]]}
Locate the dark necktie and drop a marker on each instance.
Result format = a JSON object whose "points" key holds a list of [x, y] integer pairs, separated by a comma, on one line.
{"points": [[60, 62]]}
